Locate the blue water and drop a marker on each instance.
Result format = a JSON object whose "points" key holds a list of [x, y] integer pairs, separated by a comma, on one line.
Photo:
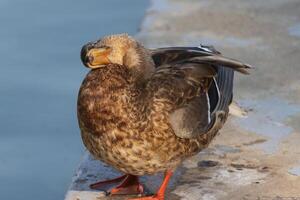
{"points": [[40, 73]]}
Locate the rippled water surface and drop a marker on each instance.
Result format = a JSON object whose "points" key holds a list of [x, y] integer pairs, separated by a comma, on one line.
{"points": [[40, 73]]}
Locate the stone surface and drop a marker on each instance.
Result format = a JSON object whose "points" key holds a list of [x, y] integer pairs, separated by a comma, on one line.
{"points": [[257, 154]]}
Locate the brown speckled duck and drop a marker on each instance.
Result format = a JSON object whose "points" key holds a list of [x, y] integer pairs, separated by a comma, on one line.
{"points": [[144, 111]]}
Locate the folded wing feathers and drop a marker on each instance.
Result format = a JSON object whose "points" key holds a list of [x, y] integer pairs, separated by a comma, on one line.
{"points": [[199, 54], [223, 61]]}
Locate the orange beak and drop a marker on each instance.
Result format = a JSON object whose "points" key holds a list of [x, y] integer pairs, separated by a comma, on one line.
{"points": [[96, 57]]}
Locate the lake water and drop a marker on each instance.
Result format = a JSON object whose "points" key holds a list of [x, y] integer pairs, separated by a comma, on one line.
{"points": [[40, 73]]}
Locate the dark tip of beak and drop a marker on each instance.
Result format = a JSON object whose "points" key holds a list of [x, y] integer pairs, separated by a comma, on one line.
{"points": [[83, 54], [89, 59]]}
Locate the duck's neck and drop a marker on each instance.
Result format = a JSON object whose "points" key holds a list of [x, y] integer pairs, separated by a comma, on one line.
{"points": [[115, 81], [118, 77], [140, 62]]}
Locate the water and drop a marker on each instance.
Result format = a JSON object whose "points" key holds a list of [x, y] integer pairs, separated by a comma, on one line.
{"points": [[40, 73]]}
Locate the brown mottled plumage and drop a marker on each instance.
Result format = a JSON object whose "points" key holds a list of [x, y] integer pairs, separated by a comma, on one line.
{"points": [[144, 111]]}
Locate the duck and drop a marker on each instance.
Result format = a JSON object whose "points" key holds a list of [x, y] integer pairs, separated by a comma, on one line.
{"points": [[144, 111]]}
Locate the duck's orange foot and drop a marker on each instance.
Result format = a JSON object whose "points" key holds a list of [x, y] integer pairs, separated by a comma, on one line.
{"points": [[127, 190], [129, 185], [155, 197]]}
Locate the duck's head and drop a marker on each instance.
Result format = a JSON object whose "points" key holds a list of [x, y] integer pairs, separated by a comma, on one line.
{"points": [[118, 49]]}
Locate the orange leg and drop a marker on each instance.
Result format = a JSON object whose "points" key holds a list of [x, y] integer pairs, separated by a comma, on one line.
{"points": [[129, 185], [160, 195]]}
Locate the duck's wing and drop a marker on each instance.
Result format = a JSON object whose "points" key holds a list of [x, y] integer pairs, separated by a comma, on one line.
{"points": [[195, 90], [201, 54]]}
